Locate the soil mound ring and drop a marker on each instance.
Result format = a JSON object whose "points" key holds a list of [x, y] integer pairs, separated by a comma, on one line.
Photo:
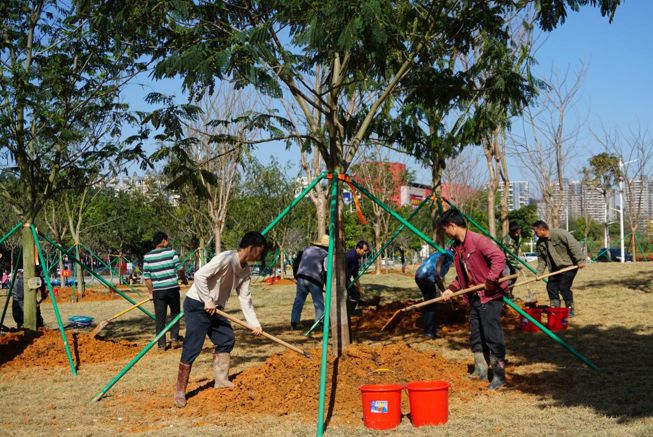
{"points": [[288, 384], [45, 349]]}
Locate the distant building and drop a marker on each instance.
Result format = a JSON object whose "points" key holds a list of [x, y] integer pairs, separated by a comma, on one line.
{"points": [[518, 194], [147, 185]]}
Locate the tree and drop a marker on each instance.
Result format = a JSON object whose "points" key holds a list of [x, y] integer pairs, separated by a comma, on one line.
{"points": [[603, 175], [635, 152], [547, 138], [208, 163], [365, 49], [57, 79]]}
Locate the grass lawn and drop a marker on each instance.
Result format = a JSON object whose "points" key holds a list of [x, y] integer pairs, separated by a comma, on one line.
{"points": [[549, 391]]}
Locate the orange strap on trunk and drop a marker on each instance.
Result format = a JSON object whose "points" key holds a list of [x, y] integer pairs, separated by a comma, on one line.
{"points": [[347, 179]]}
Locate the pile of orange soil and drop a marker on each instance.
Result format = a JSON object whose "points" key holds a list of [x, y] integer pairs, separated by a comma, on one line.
{"points": [[63, 295], [45, 349], [452, 316], [288, 384], [284, 281]]}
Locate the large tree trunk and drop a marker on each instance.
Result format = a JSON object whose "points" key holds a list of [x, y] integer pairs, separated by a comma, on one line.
{"points": [[377, 245], [489, 148], [29, 311], [436, 181], [505, 178], [79, 274], [340, 334]]}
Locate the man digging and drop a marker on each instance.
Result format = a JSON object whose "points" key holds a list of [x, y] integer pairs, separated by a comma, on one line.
{"points": [[210, 291], [479, 261], [557, 249]]}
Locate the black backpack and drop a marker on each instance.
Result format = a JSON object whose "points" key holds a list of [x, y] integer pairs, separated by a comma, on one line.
{"points": [[296, 262]]}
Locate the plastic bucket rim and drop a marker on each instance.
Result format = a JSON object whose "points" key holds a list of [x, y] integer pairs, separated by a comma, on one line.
{"points": [[441, 385], [381, 387]]}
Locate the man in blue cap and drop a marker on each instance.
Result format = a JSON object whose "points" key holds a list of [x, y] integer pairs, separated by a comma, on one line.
{"points": [[429, 278]]}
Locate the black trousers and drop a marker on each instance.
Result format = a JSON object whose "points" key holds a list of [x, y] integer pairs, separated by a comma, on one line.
{"points": [[162, 300], [199, 324], [17, 313], [486, 332], [561, 285], [429, 312]]}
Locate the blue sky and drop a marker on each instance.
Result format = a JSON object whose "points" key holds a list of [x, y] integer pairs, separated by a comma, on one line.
{"points": [[617, 91]]}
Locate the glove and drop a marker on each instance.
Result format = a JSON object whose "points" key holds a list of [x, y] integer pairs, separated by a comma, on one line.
{"points": [[491, 284]]}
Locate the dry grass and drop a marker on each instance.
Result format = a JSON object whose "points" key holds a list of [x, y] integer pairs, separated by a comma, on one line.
{"points": [[550, 392]]}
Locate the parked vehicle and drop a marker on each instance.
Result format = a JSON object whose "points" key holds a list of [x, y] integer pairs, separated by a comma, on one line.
{"points": [[529, 256], [612, 254]]}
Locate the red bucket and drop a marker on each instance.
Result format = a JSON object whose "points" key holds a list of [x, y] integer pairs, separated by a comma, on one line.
{"points": [[526, 324], [381, 405], [557, 319], [429, 402]]}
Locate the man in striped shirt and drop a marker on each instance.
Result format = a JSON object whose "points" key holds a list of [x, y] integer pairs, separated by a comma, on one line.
{"points": [[160, 269]]}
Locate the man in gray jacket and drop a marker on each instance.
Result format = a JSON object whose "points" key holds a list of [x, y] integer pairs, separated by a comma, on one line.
{"points": [[310, 280], [557, 249]]}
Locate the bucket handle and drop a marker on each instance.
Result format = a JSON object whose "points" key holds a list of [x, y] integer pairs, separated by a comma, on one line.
{"points": [[402, 383]]}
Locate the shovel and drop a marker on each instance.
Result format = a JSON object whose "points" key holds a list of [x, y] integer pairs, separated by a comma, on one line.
{"points": [[264, 334], [469, 290], [103, 324]]}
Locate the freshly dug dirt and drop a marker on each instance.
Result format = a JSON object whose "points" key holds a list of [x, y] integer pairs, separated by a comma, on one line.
{"points": [[45, 349], [451, 316], [288, 384]]}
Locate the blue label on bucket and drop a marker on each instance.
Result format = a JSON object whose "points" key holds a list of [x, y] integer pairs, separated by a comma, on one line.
{"points": [[379, 407]]}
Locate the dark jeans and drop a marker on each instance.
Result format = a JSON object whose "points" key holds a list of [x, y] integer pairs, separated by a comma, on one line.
{"points": [[561, 285], [304, 287], [17, 313], [162, 300], [199, 324], [429, 292], [486, 332]]}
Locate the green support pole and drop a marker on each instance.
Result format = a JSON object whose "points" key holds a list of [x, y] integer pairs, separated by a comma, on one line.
{"points": [[394, 214], [46, 275], [327, 304], [137, 358], [10, 233], [487, 234], [544, 329], [293, 203], [101, 279], [11, 286], [106, 266], [373, 258]]}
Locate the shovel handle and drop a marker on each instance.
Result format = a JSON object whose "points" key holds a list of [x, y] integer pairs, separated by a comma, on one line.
{"points": [[457, 293], [478, 287], [264, 334], [136, 305]]}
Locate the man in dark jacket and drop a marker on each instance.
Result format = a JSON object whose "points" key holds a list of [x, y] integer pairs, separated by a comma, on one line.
{"points": [[479, 261], [310, 280], [353, 265], [429, 278], [557, 249]]}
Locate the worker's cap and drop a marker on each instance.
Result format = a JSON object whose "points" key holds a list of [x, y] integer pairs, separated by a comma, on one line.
{"points": [[323, 241]]}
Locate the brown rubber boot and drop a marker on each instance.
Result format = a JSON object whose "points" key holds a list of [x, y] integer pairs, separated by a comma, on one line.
{"points": [[221, 369], [182, 382]]}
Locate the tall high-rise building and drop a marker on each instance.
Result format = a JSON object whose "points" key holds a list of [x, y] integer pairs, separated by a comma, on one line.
{"points": [[518, 194]]}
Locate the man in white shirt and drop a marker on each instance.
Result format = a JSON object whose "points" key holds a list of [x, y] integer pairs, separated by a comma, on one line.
{"points": [[210, 291]]}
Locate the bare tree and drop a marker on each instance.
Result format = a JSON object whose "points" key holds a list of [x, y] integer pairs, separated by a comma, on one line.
{"points": [[635, 152], [464, 176], [548, 137], [215, 156]]}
